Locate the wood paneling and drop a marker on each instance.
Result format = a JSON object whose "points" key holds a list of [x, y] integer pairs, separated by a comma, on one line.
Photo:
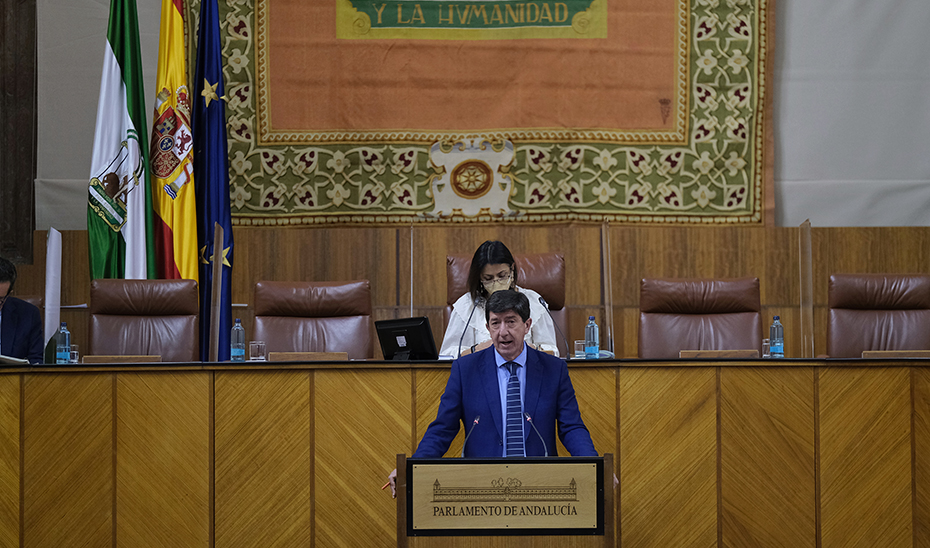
{"points": [[767, 457], [726, 454], [920, 379], [316, 254], [668, 457], [262, 458], [507, 542], [596, 391], [18, 116], [163, 460], [354, 453], [865, 462], [68, 460], [9, 459], [383, 256]]}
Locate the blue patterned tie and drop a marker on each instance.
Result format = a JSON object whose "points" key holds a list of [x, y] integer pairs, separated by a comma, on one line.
{"points": [[514, 413]]}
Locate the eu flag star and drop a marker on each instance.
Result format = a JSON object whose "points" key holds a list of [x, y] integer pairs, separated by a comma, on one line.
{"points": [[209, 92]]}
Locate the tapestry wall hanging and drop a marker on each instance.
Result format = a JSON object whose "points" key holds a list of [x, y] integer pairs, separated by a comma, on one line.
{"points": [[430, 111]]}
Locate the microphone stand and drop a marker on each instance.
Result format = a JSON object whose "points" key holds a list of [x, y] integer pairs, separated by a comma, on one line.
{"points": [[545, 305], [468, 321]]}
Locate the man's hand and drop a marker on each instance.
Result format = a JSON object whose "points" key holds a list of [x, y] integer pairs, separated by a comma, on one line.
{"points": [[392, 481]]}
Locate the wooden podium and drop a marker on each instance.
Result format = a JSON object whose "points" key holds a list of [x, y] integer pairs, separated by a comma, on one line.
{"points": [[539, 502]]}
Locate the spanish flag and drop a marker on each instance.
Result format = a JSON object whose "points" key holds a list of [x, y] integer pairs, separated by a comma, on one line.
{"points": [[173, 196]]}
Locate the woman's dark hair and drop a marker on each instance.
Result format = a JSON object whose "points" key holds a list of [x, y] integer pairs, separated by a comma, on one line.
{"points": [[7, 273], [490, 252]]}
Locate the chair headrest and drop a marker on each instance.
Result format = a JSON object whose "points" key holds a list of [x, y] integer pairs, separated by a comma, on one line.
{"points": [[313, 299], [541, 272], [699, 296], [144, 297], [880, 291]]}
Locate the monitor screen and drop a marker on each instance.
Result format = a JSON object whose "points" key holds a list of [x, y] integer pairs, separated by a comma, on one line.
{"points": [[406, 339]]}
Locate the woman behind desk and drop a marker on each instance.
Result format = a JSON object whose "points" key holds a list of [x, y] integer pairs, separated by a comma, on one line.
{"points": [[492, 269]]}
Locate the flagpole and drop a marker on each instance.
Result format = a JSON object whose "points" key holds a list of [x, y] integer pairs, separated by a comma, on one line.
{"points": [[216, 300]]}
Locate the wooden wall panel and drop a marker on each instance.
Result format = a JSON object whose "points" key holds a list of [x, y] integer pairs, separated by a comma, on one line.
{"points": [[865, 457], [354, 452], [668, 457], [382, 255], [315, 254], [163, 463], [300, 454], [19, 115], [68, 460], [767, 457], [596, 391], [262, 459], [10, 459], [920, 379]]}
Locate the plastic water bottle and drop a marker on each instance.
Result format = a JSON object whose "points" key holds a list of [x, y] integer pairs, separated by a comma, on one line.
{"points": [[591, 340], [63, 345], [777, 339], [237, 342]]}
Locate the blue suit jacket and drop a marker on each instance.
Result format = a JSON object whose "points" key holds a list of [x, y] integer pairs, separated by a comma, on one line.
{"points": [[473, 390], [21, 331]]}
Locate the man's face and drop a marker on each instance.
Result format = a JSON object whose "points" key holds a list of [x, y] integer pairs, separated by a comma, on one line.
{"points": [[4, 292], [507, 331]]}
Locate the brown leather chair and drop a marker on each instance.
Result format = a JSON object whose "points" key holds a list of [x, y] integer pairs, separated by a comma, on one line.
{"points": [[878, 312], [314, 317], [145, 317], [37, 301], [544, 273], [698, 314]]}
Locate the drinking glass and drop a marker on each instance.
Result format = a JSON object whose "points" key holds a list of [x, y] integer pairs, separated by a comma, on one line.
{"points": [[579, 350], [257, 351]]}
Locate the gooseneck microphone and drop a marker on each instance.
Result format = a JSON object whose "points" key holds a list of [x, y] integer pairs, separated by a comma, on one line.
{"points": [[470, 430], [462, 338], [529, 419], [543, 302]]}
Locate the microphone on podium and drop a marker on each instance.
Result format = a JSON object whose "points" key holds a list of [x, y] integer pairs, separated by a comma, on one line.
{"points": [[568, 349], [470, 430], [529, 419]]}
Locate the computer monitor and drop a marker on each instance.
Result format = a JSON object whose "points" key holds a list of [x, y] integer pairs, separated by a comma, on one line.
{"points": [[406, 339]]}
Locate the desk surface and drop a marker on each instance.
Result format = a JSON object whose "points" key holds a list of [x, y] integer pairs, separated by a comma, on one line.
{"points": [[446, 364]]}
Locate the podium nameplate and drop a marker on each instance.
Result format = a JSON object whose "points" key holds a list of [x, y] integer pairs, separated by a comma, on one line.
{"points": [[538, 496]]}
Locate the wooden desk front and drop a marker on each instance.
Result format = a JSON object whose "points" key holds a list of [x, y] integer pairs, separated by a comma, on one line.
{"points": [[739, 453]]}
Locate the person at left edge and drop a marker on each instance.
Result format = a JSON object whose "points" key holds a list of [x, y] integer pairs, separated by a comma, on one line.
{"points": [[20, 322], [477, 381]]}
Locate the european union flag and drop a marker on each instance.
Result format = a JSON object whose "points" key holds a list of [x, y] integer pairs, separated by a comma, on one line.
{"points": [[211, 177]]}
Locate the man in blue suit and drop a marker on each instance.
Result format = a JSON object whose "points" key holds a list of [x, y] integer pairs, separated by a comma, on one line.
{"points": [[478, 387], [20, 322]]}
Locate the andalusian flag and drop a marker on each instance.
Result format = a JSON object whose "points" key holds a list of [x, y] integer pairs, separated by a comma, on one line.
{"points": [[211, 167], [119, 207], [172, 145]]}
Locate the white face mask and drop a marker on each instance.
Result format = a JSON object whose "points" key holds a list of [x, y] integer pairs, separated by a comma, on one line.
{"points": [[497, 285]]}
